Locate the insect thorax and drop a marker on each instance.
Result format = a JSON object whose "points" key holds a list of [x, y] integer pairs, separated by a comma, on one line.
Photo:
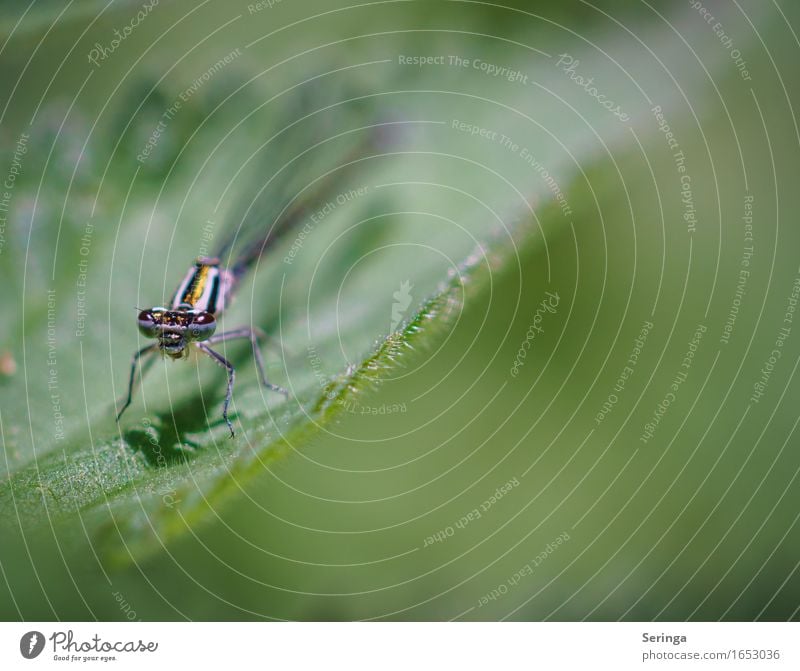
{"points": [[205, 288]]}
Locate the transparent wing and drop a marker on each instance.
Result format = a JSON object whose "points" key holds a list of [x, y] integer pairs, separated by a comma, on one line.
{"points": [[325, 147]]}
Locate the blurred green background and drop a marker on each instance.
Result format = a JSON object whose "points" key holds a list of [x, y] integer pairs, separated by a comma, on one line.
{"points": [[582, 236]]}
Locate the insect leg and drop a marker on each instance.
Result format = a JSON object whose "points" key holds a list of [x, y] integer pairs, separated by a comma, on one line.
{"points": [[133, 379], [253, 334], [227, 365]]}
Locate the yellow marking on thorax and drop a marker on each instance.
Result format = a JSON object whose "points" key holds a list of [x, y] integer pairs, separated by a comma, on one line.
{"points": [[196, 291]]}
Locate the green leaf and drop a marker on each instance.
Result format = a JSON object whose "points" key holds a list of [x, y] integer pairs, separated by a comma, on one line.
{"points": [[168, 470], [166, 475]]}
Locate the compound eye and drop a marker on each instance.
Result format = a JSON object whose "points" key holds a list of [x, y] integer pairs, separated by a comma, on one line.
{"points": [[147, 323], [203, 326]]}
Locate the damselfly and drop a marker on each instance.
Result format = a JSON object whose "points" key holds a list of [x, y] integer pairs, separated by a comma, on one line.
{"points": [[190, 321]]}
